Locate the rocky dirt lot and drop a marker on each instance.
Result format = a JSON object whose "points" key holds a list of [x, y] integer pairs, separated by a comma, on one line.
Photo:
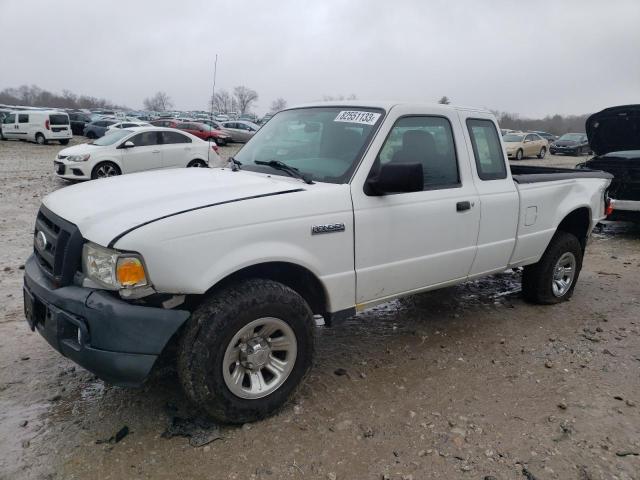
{"points": [[468, 382]]}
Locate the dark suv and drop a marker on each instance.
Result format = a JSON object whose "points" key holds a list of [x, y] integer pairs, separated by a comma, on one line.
{"points": [[78, 120]]}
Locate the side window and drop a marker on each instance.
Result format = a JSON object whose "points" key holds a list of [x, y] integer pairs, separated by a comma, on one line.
{"points": [[428, 141], [11, 118], [183, 126], [174, 137], [531, 138], [23, 118], [145, 139], [487, 149]]}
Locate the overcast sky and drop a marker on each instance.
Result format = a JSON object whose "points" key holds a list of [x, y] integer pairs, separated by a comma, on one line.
{"points": [[533, 58]]}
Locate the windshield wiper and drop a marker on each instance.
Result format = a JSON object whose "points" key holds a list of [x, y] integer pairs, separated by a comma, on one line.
{"points": [[234, 164], [293, 171]]}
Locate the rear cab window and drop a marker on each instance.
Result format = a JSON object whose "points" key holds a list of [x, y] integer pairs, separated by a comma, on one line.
{"points": [[487, 149]]}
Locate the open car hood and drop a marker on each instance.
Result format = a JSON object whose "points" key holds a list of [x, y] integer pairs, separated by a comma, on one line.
{"points": [[614, 129]]}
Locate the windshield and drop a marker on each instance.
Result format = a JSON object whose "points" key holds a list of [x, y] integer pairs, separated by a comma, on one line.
{"points": [[510, 137], [111, 137], [324, 143], [574, 137]]}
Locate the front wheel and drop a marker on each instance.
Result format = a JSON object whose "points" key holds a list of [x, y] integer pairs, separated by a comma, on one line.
{"points": [[554, 277], [64, 142], [519, 154], [197, 164], [543, 152], [105, 170], [246, 350]]}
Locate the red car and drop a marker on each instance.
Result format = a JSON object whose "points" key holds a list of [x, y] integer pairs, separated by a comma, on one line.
{"points": [[200, 130]]}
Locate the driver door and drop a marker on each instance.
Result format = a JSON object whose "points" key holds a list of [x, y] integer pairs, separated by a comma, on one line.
{"points": [[146, 154], [407, 242]]}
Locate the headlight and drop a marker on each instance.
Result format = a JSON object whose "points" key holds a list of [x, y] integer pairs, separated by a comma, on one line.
{"points": [[78, 158], [112, 269]]}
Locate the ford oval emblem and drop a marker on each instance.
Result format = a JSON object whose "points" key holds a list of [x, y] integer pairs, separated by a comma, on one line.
{"points": [[41, 240]]}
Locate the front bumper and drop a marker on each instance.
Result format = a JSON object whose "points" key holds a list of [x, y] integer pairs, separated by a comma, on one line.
{"points": [[117, 341], [72, 170]]}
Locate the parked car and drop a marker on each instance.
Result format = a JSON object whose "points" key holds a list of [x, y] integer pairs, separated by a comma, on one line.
{"points": [[98, 128], [164, 122], [127, 124], [613, 136], [131, 150], [40, 126], [112, 283], [521, 145], [571, 144], [3, 113], [549, 137], [240, 130], [205, 132], [79, 120]]}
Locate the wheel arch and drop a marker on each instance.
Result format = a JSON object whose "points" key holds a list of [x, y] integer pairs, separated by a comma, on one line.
{"points": [[298, 278], [578, 223]]}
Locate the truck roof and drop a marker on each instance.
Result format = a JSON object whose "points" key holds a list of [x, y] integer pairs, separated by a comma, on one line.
{"points": [[386, 105]]}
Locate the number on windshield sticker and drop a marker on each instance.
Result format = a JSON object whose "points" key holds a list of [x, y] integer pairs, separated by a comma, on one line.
{"points": [[353, 116]]}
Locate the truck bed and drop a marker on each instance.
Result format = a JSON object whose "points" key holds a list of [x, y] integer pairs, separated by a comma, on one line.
{"points": [[535, 174]]}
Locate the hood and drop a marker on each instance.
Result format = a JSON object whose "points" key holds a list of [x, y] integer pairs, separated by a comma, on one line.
{"points": [[76, 150], [104, 209], [614, 129]]}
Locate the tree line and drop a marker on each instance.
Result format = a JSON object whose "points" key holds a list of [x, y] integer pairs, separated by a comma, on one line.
{"points": [[34, 96]]}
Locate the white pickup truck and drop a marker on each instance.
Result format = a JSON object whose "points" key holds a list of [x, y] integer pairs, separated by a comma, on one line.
{"points": [[328, 210]]}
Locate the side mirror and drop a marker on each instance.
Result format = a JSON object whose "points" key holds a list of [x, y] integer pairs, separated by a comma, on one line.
{"points": [[396, 178], [128, 144]]}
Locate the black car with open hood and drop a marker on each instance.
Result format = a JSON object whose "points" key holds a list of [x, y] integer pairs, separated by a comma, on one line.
{"points": [[614, 136]]}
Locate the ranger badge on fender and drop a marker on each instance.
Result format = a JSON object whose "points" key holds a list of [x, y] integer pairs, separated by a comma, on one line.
{"points": [[329, 228]]}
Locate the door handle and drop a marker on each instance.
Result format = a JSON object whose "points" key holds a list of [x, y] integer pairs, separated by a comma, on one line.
{"points": [[462, 206]]}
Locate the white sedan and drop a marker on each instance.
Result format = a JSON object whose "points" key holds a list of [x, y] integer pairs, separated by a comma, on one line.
{"points": [[134, 150]]}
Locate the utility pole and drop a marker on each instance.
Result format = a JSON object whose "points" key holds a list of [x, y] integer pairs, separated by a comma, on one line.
{"points": [[213, 90]]}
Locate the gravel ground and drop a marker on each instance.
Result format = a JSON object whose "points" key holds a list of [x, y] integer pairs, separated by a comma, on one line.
{"points": [[467, 382]]}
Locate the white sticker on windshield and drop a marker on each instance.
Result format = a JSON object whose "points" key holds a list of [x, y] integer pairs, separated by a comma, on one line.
{"points": [[354, 116]]}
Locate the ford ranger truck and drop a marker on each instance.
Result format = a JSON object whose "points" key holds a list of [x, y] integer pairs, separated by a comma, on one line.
{"points": [[329, 209]]}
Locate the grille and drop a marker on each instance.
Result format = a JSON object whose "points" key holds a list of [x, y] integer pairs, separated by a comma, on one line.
{"points": [[57, 247]]}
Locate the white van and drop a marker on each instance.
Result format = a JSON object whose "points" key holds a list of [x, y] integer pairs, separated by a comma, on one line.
{"points": [[39, 126]]}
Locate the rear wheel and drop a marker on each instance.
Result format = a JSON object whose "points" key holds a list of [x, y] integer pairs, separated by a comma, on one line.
{"points": [[91, 135], [543, 152], [64, 142], [519, 154], [104, 170], [40, 140], [197, 164], [554, 277], [246, 350]]}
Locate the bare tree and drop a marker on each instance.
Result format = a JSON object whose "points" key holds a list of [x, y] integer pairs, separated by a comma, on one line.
{"points": [[223, 102], [278, 104], [444, 100], [160, 102], [245, 97]]}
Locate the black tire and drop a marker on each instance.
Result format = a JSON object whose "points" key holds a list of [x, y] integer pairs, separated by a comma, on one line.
{"points": [[210, 330], [543, 152], [197, 163], [91, 135], [220, 142], [96, 172], [40, 140], [537, 279], [64, 142], [519, 154]]}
